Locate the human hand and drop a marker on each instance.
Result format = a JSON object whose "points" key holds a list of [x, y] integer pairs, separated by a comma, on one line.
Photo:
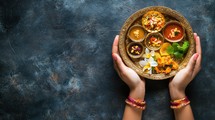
{"points": [[129, 76], [178, 84]]}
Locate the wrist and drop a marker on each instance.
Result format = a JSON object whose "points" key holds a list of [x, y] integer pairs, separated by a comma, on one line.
{"points": [[138, 92], [176, 93]]}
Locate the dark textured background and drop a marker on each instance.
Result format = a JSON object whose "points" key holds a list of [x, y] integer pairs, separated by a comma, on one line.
{"points": [[55, 60]]}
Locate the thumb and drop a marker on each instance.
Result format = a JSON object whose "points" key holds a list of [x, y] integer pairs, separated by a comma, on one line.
{"points": [[191, 64], [117, 59]]}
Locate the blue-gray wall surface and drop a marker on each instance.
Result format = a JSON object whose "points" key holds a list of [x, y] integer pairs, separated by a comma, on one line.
{"points": [[55, 60]]}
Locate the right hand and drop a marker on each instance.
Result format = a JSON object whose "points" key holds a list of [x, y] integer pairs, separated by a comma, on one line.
{"points": [[128, 75]]}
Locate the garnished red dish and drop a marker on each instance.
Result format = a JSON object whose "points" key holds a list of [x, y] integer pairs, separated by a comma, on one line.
{"points": [[173, 31]]}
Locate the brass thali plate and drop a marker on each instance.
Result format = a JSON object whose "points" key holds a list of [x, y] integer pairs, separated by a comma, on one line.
{"points": [[135, 19]]}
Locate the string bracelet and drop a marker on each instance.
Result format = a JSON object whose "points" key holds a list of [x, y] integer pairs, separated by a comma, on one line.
{"points": [[179, 103], [136, 103]]}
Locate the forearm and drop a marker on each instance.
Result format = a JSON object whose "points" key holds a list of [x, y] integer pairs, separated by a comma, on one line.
{"points": [[130, 112], [184, 113]]}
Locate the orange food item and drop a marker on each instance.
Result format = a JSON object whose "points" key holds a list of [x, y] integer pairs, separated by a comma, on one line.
{"points": [[164, 48], [174, 65], [165, 65], [168, 60], [168, 70], [157, 55], [160, 61], [157, 70]]}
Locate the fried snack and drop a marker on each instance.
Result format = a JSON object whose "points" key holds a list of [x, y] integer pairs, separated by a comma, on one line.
{"points": [[165, 65]]}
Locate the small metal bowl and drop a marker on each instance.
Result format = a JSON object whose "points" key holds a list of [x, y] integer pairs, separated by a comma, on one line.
{"points": [[134, 54], [170, 26], [154, 27], [152, 46], [134, 33]]}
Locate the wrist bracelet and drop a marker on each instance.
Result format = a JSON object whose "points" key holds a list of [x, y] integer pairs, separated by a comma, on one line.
{"points": [[139, 104], [179, 103], [137, 101], [179, 100]]}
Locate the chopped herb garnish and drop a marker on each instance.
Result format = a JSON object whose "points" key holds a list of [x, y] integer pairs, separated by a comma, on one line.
{"points": [[176, 33], [177, 50]]}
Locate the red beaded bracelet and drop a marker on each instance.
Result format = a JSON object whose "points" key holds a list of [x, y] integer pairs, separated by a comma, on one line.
{"points": [[136, 103], [177, 104]]}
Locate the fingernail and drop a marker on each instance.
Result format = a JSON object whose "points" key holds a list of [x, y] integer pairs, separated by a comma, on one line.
{"points": [[195, 34], [196, 56], [197, 37], [116, 36]]}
